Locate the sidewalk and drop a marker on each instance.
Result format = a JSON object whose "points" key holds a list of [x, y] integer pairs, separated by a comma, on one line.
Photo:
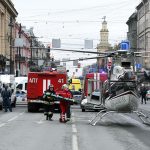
{"points": [[145, 106]]}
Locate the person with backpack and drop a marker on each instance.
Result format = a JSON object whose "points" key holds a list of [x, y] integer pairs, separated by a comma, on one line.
{"points": [[6, 96]]}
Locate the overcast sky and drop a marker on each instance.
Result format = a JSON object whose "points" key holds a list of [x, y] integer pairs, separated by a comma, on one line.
{"points": [[75, 20]]}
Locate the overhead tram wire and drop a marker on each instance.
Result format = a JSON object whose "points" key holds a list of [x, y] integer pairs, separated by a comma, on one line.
{"points": [[81, 9]]}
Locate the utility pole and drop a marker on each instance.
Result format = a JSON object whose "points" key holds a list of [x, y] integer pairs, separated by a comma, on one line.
{"points": [[20, 31], [11, 63], [31, 48]]}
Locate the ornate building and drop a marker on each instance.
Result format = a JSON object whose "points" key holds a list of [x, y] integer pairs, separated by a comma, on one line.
{"points": [[7, 33], [104, 44]]}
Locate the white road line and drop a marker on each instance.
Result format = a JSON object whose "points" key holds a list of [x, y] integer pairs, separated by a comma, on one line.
{"points": [[40, 121], [13, 118], [74, 142], [74, 135], [3, 124], [74, 129], [21, 113]]}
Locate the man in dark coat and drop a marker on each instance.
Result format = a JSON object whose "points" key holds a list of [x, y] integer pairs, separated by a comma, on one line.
{"points": [[143, 94], [6, 95]]}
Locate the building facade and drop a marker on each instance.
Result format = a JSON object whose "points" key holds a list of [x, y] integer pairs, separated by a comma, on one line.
{"points": [[31, 53], [132, 31], [8, 15], [143, 32]]}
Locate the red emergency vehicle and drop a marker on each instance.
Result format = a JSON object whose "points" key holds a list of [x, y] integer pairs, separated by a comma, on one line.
{"points": [[97, 76], [38, 82]]}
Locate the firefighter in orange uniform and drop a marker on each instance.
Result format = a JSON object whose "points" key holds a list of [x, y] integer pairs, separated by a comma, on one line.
{"points": [[65, 93]]}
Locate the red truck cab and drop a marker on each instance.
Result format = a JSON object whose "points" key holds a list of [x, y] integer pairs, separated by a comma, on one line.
{"points": [[38, 82], [97, 76]]}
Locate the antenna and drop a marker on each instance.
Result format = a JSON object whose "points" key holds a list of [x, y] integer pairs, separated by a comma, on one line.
{"points": [[104, 18]]}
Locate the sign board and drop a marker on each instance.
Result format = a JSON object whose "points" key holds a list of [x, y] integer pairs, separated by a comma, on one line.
{"points": [[19, 42], [125, 45], [75, 62], [7, 63], [138, 66], [61, 69], [56, 43], [88, 44]]}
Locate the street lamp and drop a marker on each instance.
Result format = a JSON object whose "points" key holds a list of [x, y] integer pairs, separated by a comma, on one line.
{"points": [[11, 64]]}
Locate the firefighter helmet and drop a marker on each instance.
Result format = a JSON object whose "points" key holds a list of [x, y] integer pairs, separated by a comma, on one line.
{"points": [[64, 86], [51, 86]]}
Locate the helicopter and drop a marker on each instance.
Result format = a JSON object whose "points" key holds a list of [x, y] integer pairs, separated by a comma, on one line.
{"points": [[119, 93]]}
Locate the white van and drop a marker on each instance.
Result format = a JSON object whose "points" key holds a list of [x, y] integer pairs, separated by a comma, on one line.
{"points": [[20, 91], [21, 83]]}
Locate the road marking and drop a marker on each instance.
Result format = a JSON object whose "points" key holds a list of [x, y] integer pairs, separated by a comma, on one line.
{"points": [[74, 129], [3, 124], [40, 121], [74, 142], [21, 113], [74, 135], [13, 118]]}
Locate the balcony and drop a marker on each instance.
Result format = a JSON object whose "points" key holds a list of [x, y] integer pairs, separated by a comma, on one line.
{"points": [[19, 58]]}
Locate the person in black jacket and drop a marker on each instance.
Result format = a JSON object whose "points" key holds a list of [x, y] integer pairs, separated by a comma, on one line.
{"points": [[143, 94], [49, 102], [6, 95]]}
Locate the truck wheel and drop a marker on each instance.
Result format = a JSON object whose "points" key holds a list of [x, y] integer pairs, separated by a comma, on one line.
{"points": [[1, 107], [83, 110], [30, 109]]}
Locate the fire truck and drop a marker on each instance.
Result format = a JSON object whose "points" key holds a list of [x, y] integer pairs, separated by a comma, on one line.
{"points": [[96, 85], [38, 82]]}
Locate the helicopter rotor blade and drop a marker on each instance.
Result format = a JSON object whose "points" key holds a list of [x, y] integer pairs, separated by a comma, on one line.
{"points": [[81, 59], [78, 51]]}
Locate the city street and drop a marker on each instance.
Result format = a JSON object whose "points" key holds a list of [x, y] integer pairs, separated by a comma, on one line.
{"points": [[21, 130]]}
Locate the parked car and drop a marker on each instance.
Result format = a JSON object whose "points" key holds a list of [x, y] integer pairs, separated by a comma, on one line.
{"points": [[76, 95], [20, 97], [92, 102], [148, 94]]}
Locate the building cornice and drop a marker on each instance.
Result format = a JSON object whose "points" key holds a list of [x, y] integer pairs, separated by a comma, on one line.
{"points": [[141, 4], [10, 6]]}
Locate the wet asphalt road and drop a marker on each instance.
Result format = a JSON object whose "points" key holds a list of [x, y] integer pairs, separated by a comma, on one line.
{"points": [[20, 130]]}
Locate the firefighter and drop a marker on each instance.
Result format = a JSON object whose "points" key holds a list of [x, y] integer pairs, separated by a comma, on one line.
{"points": [[49, 102], [65, 105]]}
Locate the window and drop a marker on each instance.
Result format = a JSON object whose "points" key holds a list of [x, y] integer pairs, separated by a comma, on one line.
{"points": [[25, 86], [19, 86]]}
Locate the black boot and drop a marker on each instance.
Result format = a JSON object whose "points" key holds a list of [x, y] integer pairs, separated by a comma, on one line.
{"points": [[46, 117]]}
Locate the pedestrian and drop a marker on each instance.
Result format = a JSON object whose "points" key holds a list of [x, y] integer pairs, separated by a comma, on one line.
{"points": [[64, 104], [6, 96], [68, 115], [49, 102], [143, 93]]}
